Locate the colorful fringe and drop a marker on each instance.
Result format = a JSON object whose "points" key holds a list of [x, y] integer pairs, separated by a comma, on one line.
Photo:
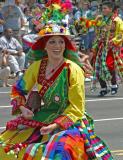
{"points": [[95, 147], [118, 63], [79, 142]]}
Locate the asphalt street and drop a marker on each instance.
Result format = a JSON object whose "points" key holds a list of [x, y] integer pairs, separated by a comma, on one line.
{"points": [[107, 113]]}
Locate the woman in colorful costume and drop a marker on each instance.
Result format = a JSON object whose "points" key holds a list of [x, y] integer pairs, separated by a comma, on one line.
{"points": [[59, 129], [106, 49]]}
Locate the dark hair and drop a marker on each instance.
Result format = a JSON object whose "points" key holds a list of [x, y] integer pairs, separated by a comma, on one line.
{"points": [[26, 9], [109, 4], [7, 28]]}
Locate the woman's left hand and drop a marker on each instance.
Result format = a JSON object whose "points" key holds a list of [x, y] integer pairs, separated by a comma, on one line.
{"points": [[48, 129]]}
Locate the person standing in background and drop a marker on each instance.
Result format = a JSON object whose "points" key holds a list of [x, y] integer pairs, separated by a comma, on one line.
{"points": [[14, 17], [1, 23], [14, 50], [4, 70], [106, 47]]}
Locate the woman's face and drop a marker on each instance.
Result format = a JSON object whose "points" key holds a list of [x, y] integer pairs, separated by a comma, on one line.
{"points": [[55, 47]]}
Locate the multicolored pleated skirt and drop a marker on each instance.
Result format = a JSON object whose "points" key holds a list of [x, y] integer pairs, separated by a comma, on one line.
{"points": [[79, 142]]}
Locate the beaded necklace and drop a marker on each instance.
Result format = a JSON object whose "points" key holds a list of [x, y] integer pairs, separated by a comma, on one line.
{"points": [[48, 72]]}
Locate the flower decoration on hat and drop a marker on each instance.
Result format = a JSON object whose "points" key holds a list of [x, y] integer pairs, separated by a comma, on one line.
{"points": [[53, 19]]}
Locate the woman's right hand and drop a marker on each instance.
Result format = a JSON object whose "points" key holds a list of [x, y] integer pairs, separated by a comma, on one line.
{"points": [[26, 113]]}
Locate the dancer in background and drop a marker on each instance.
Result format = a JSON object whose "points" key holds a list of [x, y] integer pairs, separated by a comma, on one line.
{"points": [[106, 49]]}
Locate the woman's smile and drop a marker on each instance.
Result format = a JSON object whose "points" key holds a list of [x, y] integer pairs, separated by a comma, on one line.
{"points": [[56, 51], [55, 47]]}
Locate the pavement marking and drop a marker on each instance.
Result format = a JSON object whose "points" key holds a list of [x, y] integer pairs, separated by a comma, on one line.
{"points": [[2, 128], [4, 92], [105, 99], [1, 107], [108, 119], [118, 152], [89, 100], [115, 151]]}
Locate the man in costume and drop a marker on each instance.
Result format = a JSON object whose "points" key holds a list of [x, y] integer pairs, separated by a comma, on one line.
{"points": [[107, 47]]}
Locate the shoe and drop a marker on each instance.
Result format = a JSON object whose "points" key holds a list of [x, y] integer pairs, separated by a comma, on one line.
{"points": [[19, 74], [114, 89], [8, 85], [87, 79], [12, 76], [103, 92]]}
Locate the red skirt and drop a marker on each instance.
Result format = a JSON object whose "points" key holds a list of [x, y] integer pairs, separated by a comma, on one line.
{"points": [[110, 60], [121, 53]]}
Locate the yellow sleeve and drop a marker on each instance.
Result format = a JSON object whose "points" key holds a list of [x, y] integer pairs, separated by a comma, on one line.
{"points": [[23, 86], [76, 96], [119, 25]]}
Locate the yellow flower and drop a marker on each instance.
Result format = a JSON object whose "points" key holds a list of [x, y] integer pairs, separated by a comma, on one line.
{"points": [[56, 6], [42, 32]]}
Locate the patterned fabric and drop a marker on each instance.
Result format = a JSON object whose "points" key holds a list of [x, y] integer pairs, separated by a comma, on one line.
{"points": [[31, 151], [118, 63], [64, 122], [101, 68], [64, 103], [22, 122], [55, 97], [16, 103], [102, 45], [77, 142], [95, 147], [62, 145]]}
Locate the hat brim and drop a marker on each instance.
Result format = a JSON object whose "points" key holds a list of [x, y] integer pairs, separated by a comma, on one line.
{"points": [[41, 41]]}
